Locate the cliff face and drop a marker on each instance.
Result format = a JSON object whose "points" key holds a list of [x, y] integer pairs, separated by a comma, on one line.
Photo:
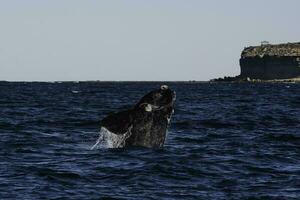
{"points": [[271, 61]]}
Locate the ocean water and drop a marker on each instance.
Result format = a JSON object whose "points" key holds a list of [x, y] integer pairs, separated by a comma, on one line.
{"points": [[226, 141]]}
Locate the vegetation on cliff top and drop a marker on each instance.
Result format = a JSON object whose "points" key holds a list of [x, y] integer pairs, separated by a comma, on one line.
{"points": [[287, 49]]}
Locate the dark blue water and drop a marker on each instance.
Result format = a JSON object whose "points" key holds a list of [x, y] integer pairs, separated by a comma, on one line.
{"points": [[226, 141]]}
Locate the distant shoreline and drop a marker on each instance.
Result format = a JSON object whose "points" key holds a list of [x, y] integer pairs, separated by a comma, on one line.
{"points": [[213, 81], [238, 79]]}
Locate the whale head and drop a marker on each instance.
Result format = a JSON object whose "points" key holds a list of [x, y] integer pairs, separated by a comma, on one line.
{"points": [[161, 99]]}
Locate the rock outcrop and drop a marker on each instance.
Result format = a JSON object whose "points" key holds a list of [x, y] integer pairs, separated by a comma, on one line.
{"points": [[267, 62]]}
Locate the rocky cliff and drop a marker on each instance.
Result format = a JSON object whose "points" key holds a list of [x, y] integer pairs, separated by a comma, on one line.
{"points": [[281, 61]]}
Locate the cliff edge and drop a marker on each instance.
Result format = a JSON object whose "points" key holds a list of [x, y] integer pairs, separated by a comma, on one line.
{"points": [[268, 61]]}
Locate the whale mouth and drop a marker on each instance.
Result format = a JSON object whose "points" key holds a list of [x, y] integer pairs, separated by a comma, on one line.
{"points": [[171, 104], [160, 99], [168, 105], [152, 107]]}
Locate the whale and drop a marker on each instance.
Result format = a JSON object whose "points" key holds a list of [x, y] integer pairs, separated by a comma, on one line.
{"points": [[145, 124]]}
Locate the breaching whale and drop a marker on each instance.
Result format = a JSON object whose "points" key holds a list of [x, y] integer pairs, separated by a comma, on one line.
{"points": [[146, 123]]}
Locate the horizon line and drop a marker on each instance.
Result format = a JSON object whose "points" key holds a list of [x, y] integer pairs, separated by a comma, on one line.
{"points": [[76, 81]]}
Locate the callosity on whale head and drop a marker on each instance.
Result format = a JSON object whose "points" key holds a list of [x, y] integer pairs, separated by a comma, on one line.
{"points": [[147, 122]]}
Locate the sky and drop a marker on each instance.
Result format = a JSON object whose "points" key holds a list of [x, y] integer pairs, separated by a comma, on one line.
{"points": [[137, 40]]}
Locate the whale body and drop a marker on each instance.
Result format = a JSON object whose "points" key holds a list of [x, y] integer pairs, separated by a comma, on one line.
{"points": [[146, 123]]}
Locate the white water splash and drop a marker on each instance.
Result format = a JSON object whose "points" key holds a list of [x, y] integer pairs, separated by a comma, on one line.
{"points": [[108, 139]]}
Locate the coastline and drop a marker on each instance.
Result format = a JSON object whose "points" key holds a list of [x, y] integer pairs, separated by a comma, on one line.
{"points": [[238, 79]]}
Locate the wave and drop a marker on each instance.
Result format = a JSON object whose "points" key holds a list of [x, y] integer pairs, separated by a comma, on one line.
{"points": [[282, 137], [207, 123]]}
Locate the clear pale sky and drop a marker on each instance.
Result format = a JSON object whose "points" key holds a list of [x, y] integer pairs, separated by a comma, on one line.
{"points": [[49, 40]]}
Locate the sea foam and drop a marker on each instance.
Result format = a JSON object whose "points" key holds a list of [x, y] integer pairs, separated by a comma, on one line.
{"points": [[108, 139]]}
